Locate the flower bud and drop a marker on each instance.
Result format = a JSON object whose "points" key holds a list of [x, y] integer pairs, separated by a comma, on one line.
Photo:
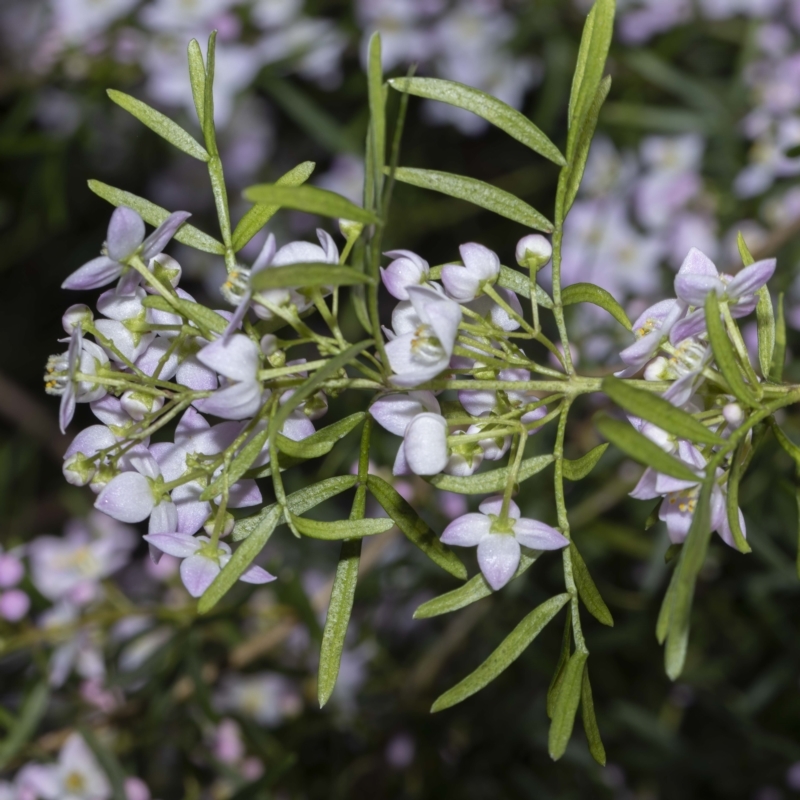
{"points": [[350, 229], [533, 251], [79, 469], [11, 570], [75, 316], [734, 415], [139, 404], [166, 269], [269, 344], [227, 526]]}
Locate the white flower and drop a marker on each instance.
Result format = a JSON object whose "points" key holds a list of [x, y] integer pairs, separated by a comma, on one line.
{"points": [[481, 266]]}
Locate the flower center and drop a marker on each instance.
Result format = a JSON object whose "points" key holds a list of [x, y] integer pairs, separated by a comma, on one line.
{"points": [[426, 347], [235, 287], [56, 376], [74, 782]]}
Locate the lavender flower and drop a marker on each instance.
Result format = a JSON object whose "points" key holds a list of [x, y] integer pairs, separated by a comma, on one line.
{"points": [[481, 267], [407, 269]]}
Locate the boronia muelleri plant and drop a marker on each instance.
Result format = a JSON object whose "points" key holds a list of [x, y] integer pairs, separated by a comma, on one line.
{"points": [[457, 372]]}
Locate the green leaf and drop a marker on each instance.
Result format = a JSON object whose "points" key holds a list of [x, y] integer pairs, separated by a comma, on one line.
{"points": [[493, 481], [341, 529], [590, 721], [321, 442], [298, 502], [33, 709], [258, 215], [155, 215], [641, 449], [339, 608], [414, 528], [160, 124], [724, 353], [744, 250], [587, 590], [660, 412], [592, 54], [310, 199], [510, 649], [578, 469], [241, 559], [377, 110], [519, 283], [476, 588], [572, 176], [306, 276], [197, 77], [563, 660], [732, 498], [478, 193], [765, 318], [209, 131], [569, 697], [779, 353], [109, 763], [786, 443], [202, 316], [797, 500], [491, 109], [239, 464], [589, 293], [691, 560]]}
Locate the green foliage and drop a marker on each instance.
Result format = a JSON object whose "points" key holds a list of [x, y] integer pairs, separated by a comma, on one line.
{"points": [[566, 705], [307, 275], [587, 590], [489, 482], [589, 293], [341, 529], [578, 469], [321, 442], [310, 199]]}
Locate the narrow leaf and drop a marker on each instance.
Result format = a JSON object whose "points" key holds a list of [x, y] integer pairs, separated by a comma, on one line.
{"points": [[241, 559], [732, 499], [377, 110], [307, 276], [587, 590], [510, 649], [202, 316], [155, 215], [33, 709], [321, 442], [578, 469], [493, 481], [589, 293], [339, 609], [310, 199], [691, 561], [660, 412], [108, 761], [665, 612], [250, 451], [209, 131], [641, 449], [341, 529], [257, 217], [569, 697], [779, 353], [787, 444], [590, 721], [765, 318], [724, 353], [298, 502], [160, 124], [520, 284], [558, 674], [414, 528], [476, 588], [478, 193], [797, 499], [197, 77], [491, 109]]}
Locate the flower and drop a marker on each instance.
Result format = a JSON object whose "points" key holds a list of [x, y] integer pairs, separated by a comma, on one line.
{"points": [[481, 267], [76, 776], [407, 269], [422, 342], [651, 329], [499, 541], [424, 449], [14, 603], [124, 239], [202, 561], [533, 251], [267, 697]]}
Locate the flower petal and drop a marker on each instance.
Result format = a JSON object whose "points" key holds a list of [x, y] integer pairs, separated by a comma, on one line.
{"points": [[198, 573], [494, 505], [160, 237], [498, 558], [752, 278], [125, 233], [179, 545], [467, 531], [256, 575], [236, 358], [127, 497], [425, 444], [538, 536], [93, 274]]}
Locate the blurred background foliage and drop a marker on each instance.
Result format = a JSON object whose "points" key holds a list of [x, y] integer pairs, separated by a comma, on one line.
{"points": [[729, 729]]}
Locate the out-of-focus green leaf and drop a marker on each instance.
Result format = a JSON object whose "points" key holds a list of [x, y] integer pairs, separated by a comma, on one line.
{"points": [[660, 412], [658, 118], [724, 353], [307, 275], [155, 215], [160, 124], [241, 559], [321, 442], [298, 502], [476, 588], [641, 449], [414, 528], [478, 193], [569, 697], [765, 318], [589, 293], [491, 109], [587, 590], [33, 709], [492, 481], [590, 721], [310, 199], [257, 217], [510, 649], [578, 469], [732, 498], [341, 529]]}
